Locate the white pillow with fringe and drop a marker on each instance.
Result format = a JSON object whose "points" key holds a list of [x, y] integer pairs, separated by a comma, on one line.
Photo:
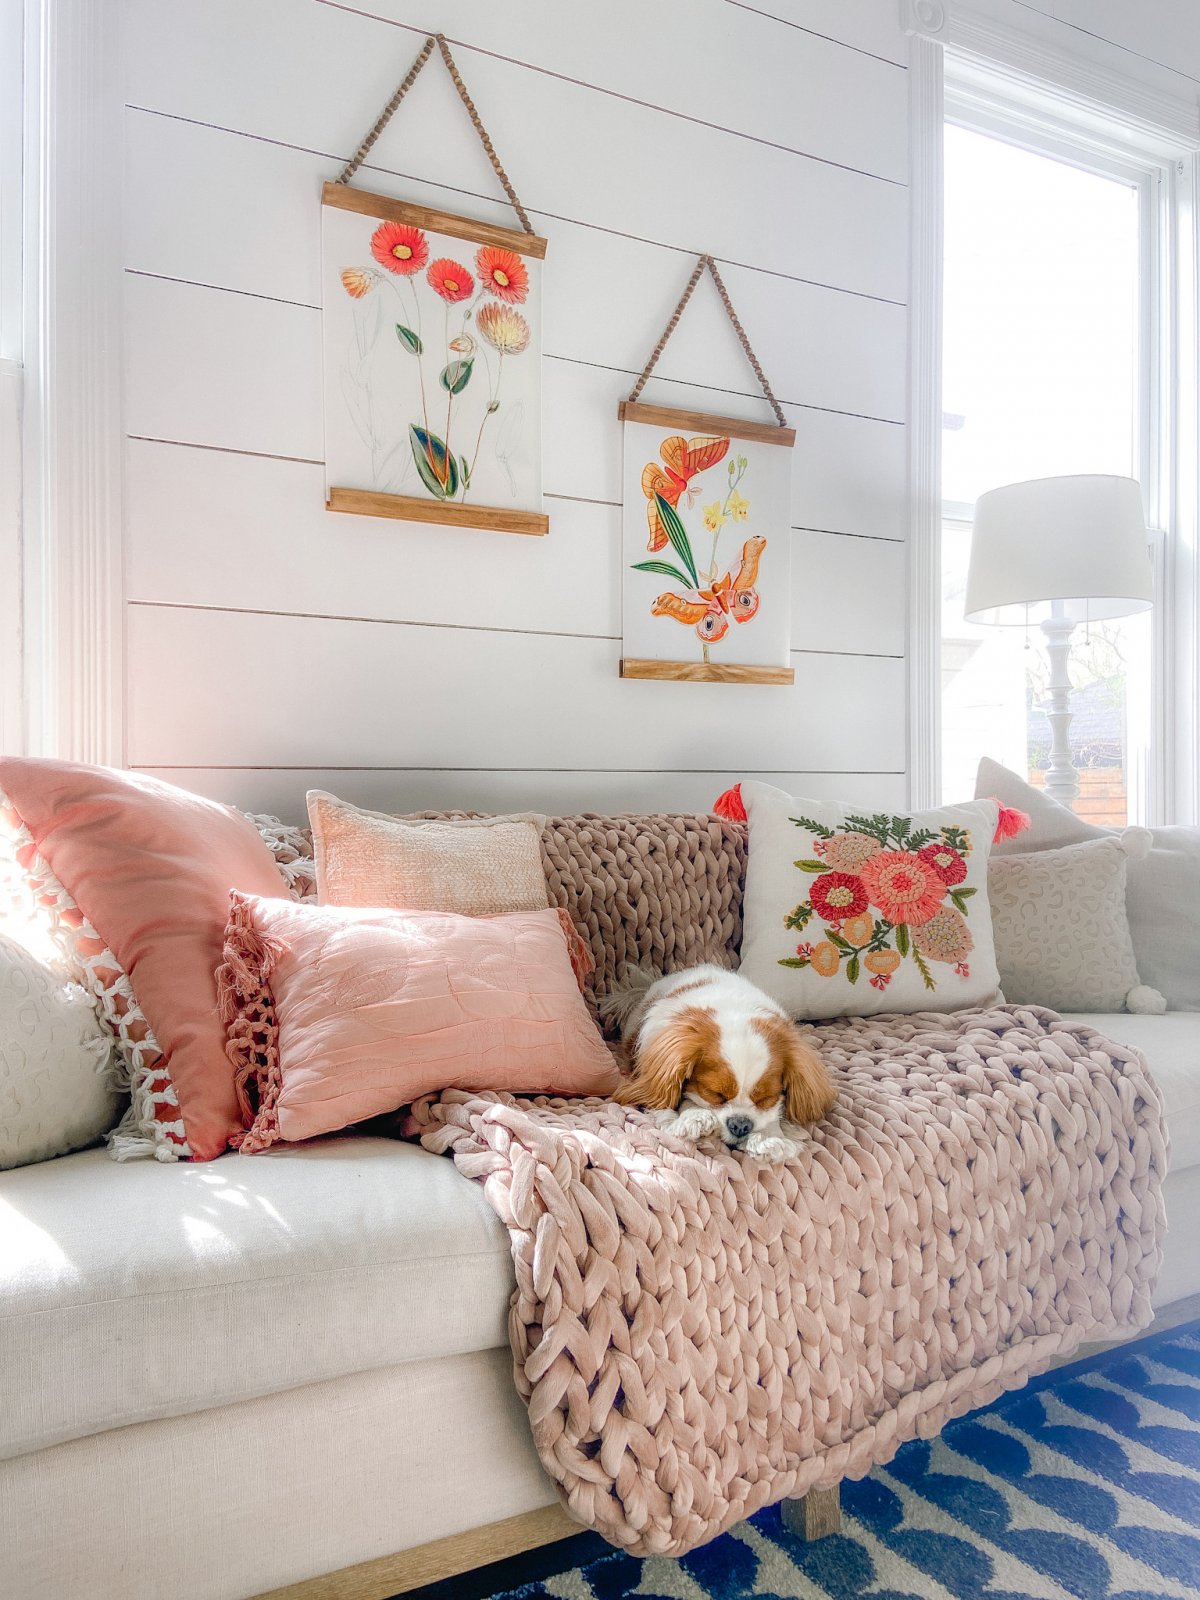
{"points": [[58, 1083]]}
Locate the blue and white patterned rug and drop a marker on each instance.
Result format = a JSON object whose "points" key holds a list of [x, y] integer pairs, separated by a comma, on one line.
{"points": [[1085, 1485]]}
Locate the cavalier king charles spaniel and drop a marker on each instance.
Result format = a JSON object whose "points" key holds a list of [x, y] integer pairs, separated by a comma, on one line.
{"points": [[714, 1054]]}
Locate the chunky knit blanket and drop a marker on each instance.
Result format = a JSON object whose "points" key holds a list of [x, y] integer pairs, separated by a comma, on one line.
{"points": [[697, 1334]]}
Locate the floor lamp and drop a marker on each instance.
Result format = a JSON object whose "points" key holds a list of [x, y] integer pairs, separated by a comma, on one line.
{"points": [[1059, 551]]}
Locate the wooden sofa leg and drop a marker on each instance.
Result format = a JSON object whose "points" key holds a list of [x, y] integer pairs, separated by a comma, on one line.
{"points": [[815, 1514]]}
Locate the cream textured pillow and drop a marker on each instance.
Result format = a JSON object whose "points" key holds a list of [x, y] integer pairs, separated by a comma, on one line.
{"points": [[1062, 935], [847, 914], [477, 868], [57, 1079]]}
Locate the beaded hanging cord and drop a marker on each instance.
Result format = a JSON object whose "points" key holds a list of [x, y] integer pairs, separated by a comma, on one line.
{"points": [[438, 41], [703, 262]]}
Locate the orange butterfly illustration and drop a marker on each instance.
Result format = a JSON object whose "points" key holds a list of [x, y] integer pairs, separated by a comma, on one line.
{"points": [[734, 596], [684, 458]]}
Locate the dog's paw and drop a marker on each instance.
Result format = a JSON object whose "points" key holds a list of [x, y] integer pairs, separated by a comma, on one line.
{"points": [[769, 1147], [695, 1123]]}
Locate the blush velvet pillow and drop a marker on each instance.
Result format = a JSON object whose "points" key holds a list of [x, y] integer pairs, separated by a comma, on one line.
{"points": [[137, 875], [337, 1013], [474, 866], [847, 914]]}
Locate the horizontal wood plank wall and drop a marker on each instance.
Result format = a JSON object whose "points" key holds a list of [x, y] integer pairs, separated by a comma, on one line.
{"points": [[273, 646]]}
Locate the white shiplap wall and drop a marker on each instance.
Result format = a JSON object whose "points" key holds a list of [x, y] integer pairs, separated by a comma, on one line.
{"points": [[272, 645]]}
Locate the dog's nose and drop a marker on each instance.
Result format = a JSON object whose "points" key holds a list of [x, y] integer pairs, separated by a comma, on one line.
{"points": [[739, 1127]]}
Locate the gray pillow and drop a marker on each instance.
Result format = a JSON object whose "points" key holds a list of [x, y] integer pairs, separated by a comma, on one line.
{"points": [[1062, 936], [1162, 893]]}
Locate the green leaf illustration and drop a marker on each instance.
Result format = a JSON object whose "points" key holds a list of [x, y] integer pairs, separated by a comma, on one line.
{"points": [[466, 471], [792, 961], [960, 898], [677, 534], [457, 375], [926, 975], [409, 339], [853, 969], [811, 866], [664, 570], [800, 917], [438, 469], [817, 829], [842, 944], [919, 839], [903, 944]]}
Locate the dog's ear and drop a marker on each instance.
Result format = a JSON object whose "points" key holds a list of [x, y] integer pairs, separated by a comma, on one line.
{"points": [[807, 1087], [662, 1068]]}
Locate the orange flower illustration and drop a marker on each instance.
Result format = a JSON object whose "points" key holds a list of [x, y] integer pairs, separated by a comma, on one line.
{"points": [[905, 888], [452, 281], [504, 329], [502, 273], [358, 281], [400, 247]]}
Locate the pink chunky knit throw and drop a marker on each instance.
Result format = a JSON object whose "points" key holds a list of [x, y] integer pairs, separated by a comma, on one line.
{"points": [[697, 1334]]}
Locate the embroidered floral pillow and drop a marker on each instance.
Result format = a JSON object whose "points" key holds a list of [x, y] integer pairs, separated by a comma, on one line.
{"points": [[852, 912]]}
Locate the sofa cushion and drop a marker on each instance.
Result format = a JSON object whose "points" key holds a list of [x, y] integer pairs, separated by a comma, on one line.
{"points": [[157, 1289], [1171, 1045]]}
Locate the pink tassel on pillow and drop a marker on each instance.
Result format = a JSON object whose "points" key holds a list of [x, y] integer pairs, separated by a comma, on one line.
{"points": [[1009, 823], [729, 805]]}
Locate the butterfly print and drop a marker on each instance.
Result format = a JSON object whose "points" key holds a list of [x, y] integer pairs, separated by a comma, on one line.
{"points": [[683, 460], [709, 611]]}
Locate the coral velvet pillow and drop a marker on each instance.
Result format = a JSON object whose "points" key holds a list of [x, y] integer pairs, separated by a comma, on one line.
{"points": [[339, 1013], [149, 867], [848, 914]]}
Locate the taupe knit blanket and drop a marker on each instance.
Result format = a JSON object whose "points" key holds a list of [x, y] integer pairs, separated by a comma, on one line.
{"points": [[697, 1334]]}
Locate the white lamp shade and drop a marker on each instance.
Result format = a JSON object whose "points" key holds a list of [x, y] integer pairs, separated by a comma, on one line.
{"points": [[1072, 547]]}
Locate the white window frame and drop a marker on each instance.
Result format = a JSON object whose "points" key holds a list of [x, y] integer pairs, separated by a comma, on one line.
{"points": [[1107, 122], [975, 105]]}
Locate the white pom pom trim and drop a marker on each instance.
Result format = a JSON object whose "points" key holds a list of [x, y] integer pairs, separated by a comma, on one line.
{"points": [[1145, 1001], [1137, 842]]}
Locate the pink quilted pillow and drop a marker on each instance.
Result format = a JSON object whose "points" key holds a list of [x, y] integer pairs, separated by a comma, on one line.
{"points": [[144, 870], [338, 1013]]}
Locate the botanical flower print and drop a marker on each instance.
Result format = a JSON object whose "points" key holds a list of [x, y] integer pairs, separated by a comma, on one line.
{"points": [[948, 864], [504, 329], [399, 247], [358, 281], [460, 325], [450, 280], [945, 937], [837, 895], [887, 892], [503, 273], [850, 851], [710, 600], [905, 888]]}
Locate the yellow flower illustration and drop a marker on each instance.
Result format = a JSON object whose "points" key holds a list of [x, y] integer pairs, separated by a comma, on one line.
{"points": [[504, 329], [739, 508], [713, 520]]}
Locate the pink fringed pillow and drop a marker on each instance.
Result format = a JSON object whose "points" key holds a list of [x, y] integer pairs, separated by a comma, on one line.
{"points": [[131, 877], [335, 1014]]}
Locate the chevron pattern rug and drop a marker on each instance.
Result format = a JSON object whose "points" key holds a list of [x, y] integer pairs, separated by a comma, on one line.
{"points": [[1085, 1485]]}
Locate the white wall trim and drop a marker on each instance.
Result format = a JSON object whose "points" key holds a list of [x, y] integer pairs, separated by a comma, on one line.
{"points": [[72, 448], [925, 418], [1155, 118]]}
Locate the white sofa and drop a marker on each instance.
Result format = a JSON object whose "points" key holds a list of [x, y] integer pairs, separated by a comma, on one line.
{"points": [[217, 1380]]}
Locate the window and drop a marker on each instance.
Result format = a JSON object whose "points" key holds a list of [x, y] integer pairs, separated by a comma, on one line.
{"points": [[1050, 361]]}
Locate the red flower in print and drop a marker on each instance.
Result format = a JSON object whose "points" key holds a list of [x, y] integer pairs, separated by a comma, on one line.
{"points": [[949, 864], [905, 888], [400, 247], [452, 281], [502, 273], [837, 895]]}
